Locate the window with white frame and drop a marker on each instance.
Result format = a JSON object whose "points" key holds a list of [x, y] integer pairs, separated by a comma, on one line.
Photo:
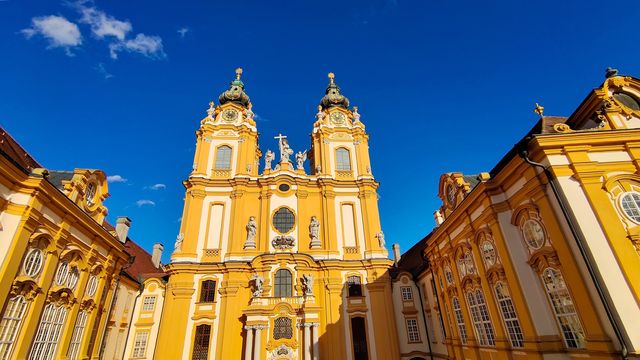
{"points": [[509, 316], [343, 161], [448, 275], [407, 293], [533, 234], [148, 303], [92, 285], [48, 334], [630, 204], [457, 310], [563, 307], [413, 333], [62, 273], [33, 263], [76, 336], [10, 324], [140, 344], [480, 317], [72, 279], [223, 158]]}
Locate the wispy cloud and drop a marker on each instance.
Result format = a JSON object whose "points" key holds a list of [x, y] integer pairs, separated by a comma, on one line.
{"points": [[58, 31], [149, 46], [103, 71], [183, 32], [102, 24], [158, 187], [116, 179], [145, 202], [257, 117]]}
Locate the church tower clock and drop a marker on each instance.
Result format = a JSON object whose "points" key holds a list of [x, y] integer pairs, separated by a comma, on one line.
{"points": [[272, 262]]}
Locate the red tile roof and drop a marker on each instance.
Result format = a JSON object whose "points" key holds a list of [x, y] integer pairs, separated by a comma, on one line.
{"points": [[142, 267], [11, 149]]}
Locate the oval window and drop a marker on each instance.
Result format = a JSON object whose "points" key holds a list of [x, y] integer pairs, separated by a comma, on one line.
{"points": [[533, 234], [627, 100], [284, 187], [284, 220], [33, 262]]}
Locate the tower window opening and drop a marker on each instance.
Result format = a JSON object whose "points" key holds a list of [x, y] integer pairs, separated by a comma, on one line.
{"points": [[223, 158], [354, 285], [283, 283], [343, 161]]}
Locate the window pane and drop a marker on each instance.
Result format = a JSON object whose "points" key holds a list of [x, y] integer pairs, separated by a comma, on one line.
{"points": [[563, 307], [630, 203], [201, 345], [11, 321], [208, 292], [283, 283], [223, 158], [355, 287], [284, 220], [343, 162], [282, 328]]}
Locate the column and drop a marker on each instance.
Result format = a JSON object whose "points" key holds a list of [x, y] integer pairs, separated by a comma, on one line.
{"points": [[256, 344], [316, 343], [307, 341], [249, 342]]}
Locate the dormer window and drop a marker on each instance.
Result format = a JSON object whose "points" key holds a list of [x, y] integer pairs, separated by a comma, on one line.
{"points": [[627, 100], [451, 195], [90, 193]]}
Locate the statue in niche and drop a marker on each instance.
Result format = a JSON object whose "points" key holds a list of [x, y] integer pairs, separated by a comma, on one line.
{"points": [[356, 115], [380, 237], [307, 284], [258, 282], [178, 245], [301, 157], [251, 233], [268, 158], [314, 232]]}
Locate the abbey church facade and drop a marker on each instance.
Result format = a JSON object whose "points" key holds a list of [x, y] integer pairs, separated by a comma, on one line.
{"points": [[281, 254]]}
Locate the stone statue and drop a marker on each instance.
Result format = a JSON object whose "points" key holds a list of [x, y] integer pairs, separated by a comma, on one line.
{"points": [[314, 232], [212, 109], [320, 115], [356, 116], [258, 282], [380, 237], [268, 158], [285, 151], [300, 159], [178, 245], [251, 233], [318, 169], [248, 113], [307, 284]]}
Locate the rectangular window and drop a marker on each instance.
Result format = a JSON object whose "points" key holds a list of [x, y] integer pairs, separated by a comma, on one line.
{"points": [[407, 294], [412, 331], [148, 303], [343, 162], [355, 288], [76, 337], [509, 316], [480, 316], [208, 291], [140, 344], [11, 321], [48, 333], [562, 304], [223, 158], [462, 330], [201, 343]]}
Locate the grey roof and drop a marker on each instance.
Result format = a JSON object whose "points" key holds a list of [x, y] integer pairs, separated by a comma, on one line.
{"points": [[56, 177]]}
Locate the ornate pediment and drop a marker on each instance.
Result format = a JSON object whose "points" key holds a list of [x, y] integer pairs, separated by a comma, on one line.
{"points": [[26, 287], [61, 296]]}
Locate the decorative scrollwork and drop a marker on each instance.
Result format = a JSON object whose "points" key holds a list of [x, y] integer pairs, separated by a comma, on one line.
{"points": [[283, 242]]}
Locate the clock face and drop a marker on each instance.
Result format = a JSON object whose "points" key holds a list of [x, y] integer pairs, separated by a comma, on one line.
{"points": [[451, 194], [229, 115], [338, 118]]}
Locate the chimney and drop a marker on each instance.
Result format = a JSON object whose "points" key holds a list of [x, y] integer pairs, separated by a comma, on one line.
{"points": [[396, 254], [157, 254], [122, 228]]}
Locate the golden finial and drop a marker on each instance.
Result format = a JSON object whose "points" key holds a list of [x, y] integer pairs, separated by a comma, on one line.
{"points": [[331, 77], [238, 73], [539, 110]]}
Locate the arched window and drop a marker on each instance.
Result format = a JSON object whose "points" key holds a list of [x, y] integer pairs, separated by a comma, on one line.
{"points": [[92, 285], [343, 160], [465, 264], [76, 337], [33, 262], [223, 158], [533, 234], [448, 275], [283, 283], [10, 324], [201, 343], [630, 204], [563, 307], [282, 328], [62, 273], [208, 291], [488, 252], [459, 320], [48, 334], [509, 316], [480, 316], [355, 286]]}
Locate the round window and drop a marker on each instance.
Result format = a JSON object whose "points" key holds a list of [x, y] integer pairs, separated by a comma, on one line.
{"points": [[284, 220], [488, 253], [90, 193], [62, 273], [630, 203], [533, 233], [33, 262], [92, 285], [283, 187], [627, 100]]}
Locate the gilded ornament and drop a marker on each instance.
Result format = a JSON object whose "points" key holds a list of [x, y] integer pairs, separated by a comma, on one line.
{"points": [[229, 115], [338, 118]]}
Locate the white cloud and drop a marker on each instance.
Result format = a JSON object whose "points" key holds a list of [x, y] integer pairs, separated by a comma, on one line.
{"points": [[103, 71], [102, 24], [183, 31], [116, 179], [149, 46], [144, 202], [58, 31], [157, 186]]}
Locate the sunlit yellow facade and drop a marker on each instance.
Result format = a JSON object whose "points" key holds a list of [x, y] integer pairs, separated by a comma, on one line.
{"points": [[279, 243]]}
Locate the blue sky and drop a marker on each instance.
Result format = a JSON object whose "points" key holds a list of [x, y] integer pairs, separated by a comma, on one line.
{"points": [[441, 85]]}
